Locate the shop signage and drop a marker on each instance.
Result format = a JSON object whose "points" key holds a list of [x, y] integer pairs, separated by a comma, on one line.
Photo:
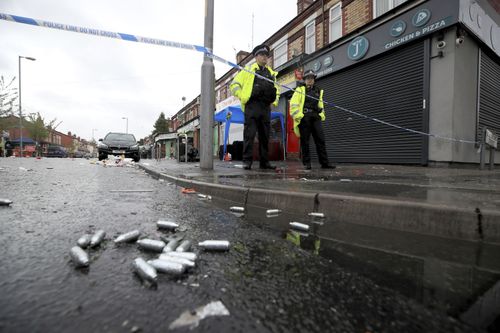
{"points": [[358, 48], [421, 17], [398, 28]]}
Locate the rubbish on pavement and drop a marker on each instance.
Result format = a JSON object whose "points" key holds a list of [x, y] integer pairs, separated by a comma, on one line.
{"points": [[131, 236], [316, 214], [84, 241], [79, 257], [215, 245], [299, 226], [184, 246], [169, 267], [188, 190], [182, 261], [172, 244], [151, 244], [346, 180], [192, 318], [97, 238], [145, 270], [5, 202], [273, 211], [204, 196], [168, 225], [237, 209], [187, 255]]}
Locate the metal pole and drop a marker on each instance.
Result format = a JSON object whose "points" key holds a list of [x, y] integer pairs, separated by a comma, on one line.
{"points": [[20, 113], [207, 94]]}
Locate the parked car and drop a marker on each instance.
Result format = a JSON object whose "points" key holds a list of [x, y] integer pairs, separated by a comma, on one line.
{"points": [[78, 154], [56, 151], [118, 144]]}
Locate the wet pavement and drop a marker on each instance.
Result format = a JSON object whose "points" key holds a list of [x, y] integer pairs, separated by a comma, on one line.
{"points": [[337, 277]]}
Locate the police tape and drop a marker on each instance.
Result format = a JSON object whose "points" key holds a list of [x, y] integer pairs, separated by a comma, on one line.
{"points": [[198, 48]]}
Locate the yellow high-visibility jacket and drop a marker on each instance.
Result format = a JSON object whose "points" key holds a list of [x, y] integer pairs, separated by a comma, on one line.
{"points": [[242, 84], [297, 107]]}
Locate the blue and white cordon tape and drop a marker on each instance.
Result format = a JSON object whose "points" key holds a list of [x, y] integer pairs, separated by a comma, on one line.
{"points": [[202, 49]]}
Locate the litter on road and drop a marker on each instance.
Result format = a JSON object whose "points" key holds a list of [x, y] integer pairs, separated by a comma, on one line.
{"points": [[188, 191], [151, 245], [131, 236], [167, 225], [273, 211], [5, 202], [315, 214], [168, 267], [192, 318], [184, 246], [79, 257], [299, 226], [215, 245], [182, 261], [237, 209], [145, 270], [84, 241], [187, 255], [97, 238]]}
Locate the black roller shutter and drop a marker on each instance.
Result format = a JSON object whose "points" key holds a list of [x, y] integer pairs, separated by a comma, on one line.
{"points": [[489, 96], [389, 88]]}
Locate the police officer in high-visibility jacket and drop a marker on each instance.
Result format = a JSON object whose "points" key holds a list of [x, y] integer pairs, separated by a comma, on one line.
{"points": [[256, 96], [307, 112]]}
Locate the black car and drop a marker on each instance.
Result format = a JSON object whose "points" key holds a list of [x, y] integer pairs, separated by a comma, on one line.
{"points": [[118, 144], [57, 151]]}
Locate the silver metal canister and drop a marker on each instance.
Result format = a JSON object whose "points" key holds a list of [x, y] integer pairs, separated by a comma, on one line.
{"points": [[273, 211], [187, 255], [151, 245], [5, 202], [183, 261], [237, 209], [146, 271], [167, 225], [184, 246], [316, 214], [79, 256], [84, 241], [215, 245], [97, 238], [131, 236], [169, 267], [299, 226]]}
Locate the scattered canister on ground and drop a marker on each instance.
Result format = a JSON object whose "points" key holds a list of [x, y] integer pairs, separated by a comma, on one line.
{"points": [[187, 255], [151, 245], [167, 225], [184, 246], [299, 226], [146, 271], [84, 241], [97, 238], [273, 211], [131, 236], [215, 245], [316, 214], [183, 261], [237, 209], [5, 202], [79, 256], [169, 267]]}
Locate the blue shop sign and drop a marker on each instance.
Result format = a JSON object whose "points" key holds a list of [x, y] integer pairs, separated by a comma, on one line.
{"points": [[358, 48], [421, 17], [398, 28]]}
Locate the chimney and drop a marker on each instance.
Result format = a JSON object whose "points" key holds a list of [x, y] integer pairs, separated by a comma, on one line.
{"points": [[302, 5], [241, 55]]}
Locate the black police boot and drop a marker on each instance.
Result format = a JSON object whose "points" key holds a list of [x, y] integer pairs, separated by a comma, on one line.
{"points": [[328, 166]]}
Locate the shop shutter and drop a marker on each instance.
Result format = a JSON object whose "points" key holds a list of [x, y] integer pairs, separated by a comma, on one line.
{"points": [[489, 96], [389, 88]]}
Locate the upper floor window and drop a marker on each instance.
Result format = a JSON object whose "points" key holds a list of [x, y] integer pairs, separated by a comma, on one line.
{"points": [[383, 6], [311, 37], [335, 22], [280, 54]]}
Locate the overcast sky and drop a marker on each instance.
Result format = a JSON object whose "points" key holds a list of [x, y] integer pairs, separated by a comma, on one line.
{"points": [[92, 82]]}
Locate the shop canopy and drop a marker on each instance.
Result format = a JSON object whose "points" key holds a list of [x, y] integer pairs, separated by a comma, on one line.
{"points": [[234, 114], [26, 141]]}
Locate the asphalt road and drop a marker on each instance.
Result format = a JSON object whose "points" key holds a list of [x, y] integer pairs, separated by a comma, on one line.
{"points": [[266, 283]]}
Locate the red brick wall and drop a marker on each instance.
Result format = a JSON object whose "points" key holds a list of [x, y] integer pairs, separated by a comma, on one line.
{"points": [[356, 14]]}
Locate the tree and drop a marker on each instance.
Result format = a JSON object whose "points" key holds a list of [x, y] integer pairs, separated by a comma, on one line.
{"points": [[37, 128], [161, 125], [8, 95]]}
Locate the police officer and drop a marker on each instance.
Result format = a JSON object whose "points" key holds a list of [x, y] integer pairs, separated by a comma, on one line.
{"points": [[256, 96], [307, 112]]}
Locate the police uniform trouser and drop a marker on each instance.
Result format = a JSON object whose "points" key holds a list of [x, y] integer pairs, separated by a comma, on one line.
{"points": [[257, 119], [311, 124]]}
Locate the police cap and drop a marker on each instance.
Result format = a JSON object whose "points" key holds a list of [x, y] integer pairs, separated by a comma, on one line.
{"points": [[261, 49], [309, 73]]}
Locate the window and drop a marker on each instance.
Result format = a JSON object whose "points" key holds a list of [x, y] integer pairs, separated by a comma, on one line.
{"points": [[280, 54], [335, 22], [310, 37], [383, 6]]}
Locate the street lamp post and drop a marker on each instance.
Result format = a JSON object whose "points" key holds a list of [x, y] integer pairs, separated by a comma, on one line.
{"points": [[21, 108], [126, 118]]}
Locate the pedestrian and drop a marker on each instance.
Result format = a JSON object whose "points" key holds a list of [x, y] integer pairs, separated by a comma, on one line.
{"points": [[307, 111], [256, 96]]}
